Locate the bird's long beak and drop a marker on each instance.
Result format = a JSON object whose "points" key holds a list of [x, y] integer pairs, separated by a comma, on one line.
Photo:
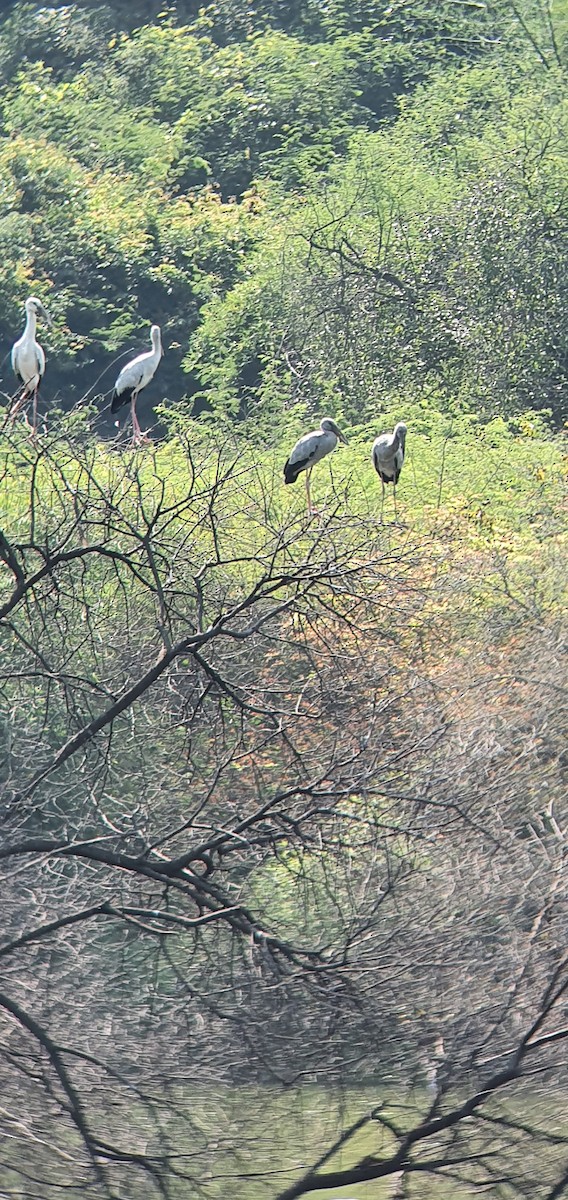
{"points": [[46, 317], [343, 438]]}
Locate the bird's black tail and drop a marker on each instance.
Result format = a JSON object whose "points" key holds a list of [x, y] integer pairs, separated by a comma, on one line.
{"points": [[120, 398], [292, 471]]}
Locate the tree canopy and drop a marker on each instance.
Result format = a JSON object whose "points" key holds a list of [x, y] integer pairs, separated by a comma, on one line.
{"points": [[281, 794], [402, 171]]}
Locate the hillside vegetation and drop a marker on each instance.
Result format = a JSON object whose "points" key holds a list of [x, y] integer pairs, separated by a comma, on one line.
{"points": [[282, 794], [325, 205]]}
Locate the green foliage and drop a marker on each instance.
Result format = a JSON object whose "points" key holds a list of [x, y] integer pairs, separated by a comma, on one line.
{"points": [[356, 209], [62, 37], [433, 260], [321, 206], [108, 256], [243, 109], [85, 118]]}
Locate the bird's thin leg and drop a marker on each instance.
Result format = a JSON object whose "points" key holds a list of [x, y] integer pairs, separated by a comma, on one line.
{"points": [[312, 512], [394, 495], [137, 435], [17, 405], [34, 415], [308, 492], [135, 425], [382, 498]]}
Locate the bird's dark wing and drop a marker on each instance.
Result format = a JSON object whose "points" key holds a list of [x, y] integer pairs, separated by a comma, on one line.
{"points": [[121, 398], [292, 470], [398, 464], [382, 472]]}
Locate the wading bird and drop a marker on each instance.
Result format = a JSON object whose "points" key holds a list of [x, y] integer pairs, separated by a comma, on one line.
{"points": [[309, 450], [133, 377], [28, 358], [388, 458]]}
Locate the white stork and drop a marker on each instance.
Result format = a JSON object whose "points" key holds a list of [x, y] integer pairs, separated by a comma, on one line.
{"points": [[28, 358], [388, 458], [133, 377], [309, 450]]}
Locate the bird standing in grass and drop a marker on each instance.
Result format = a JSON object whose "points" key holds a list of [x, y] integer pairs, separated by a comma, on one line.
{"points": [[309, 450], [388, 458], [28, 359], [134, 376]]}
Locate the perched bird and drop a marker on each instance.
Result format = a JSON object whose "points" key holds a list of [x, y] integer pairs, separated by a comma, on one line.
{"points": [[28, 358], [309, 450], [388, 458], [133, 377]]}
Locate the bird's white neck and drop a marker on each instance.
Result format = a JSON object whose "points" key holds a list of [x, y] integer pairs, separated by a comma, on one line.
{"points": [[31, 321]]}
